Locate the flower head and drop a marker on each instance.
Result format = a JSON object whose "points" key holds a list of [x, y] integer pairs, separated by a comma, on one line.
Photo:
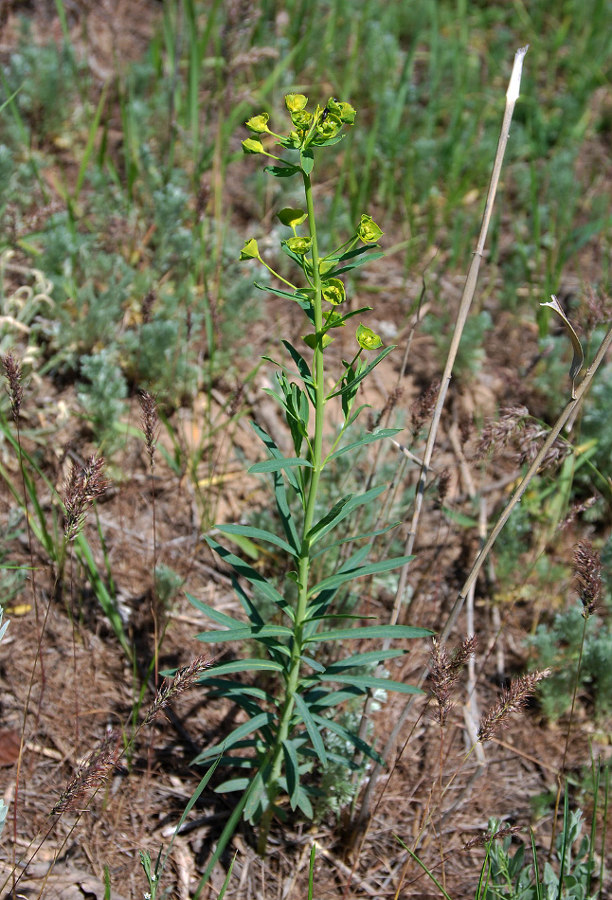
{"points": [[334, 292], [295, 102], [299, 245], [252, 145], [368, 339], [344, 111], [258, 124], [250, 250], [368, 231]]}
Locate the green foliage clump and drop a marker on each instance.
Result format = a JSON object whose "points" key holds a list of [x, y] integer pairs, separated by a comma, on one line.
{"points": [[558, 646], [514, 876], [102, 394]]}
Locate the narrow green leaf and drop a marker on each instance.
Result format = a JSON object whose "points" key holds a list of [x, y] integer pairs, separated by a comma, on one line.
{"points": [[349, 736], [394, 632], [275, 453], [383, 565], [223, 686], [282, 171], [328, 518], [292, 772], [325, 699], [371, 683], [258, 534], [311, 727], [233, 784], [241, 731], [243, 665], [257, 798], [353, 503], [245, 633], [107, 602], [347, 388], [362, 659], [248, 572], [365, 535], [299, 298], [218, 617], [335, 258], [276, 465], [302, 365], [366, 439], [302, 801], [353, 265]]}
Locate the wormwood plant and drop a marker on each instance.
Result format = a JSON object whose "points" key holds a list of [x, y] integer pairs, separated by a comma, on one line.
{"points": [[284, 738]]}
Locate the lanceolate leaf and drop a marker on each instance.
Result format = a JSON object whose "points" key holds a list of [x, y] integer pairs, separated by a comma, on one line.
{"points": [[356, 537], [236, 735], [292, 772], [371, 683], [247, 632], [282, 171], [330, 517], [276, 465], [322, 698], [225, 687], [366, 439], [343, 508], [354, 264], [304, 302], [303, 367], [258, 534], [218, 617], [362, 659], [349, 736], [243, 665], [313, 732], [394, 632], [233, 784], [363, 374], [248, 572], [383, 565], [275, 453]]}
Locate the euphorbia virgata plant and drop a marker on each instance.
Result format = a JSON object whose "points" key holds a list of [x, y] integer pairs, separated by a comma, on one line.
{"points": [[282, 744]]}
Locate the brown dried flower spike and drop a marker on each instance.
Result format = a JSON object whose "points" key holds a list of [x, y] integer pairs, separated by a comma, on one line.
{"points": [[183, 681], [12, 373], [587, 571], [511, 700], [92, 773], [444, 673], [83, 486]]}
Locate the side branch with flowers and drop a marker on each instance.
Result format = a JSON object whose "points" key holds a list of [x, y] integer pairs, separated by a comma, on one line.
{"points": [[282, 744]]}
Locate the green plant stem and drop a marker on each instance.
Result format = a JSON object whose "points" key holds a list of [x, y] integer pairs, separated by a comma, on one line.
{"points": [[309, 510]]}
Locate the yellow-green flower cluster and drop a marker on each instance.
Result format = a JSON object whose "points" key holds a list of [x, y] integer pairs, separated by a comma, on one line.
{"points": [[315, 128]]}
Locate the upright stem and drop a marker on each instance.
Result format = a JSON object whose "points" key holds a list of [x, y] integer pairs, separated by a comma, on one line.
{"points": [[310, 500]]}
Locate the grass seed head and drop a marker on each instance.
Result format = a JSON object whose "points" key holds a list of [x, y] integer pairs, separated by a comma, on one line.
{"points": [[587, 572], [12, 373], [511, 700], [83, 487]]}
